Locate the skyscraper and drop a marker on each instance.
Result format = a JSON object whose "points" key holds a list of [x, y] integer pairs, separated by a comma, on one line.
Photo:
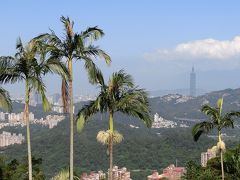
{"points": [[192, 83]]}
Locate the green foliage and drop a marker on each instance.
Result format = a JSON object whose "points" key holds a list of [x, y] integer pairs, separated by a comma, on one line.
{"points": [[213, 169], [196, 172], [15, 170]]}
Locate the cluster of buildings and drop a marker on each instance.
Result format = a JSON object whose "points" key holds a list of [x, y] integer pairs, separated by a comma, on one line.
{"points": [[176, 98], [171, 173], [160, 122], [118, 174], [17, 119], [6, 139], [100, 175], [50, 120]]}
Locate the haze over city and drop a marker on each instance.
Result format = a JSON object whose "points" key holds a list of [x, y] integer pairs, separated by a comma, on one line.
{"points": [[157, 42]]}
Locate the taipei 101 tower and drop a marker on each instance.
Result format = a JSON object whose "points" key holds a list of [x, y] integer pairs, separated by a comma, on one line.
{"points": [[193, 83]]}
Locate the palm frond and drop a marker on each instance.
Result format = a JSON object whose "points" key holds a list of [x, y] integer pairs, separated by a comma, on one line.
{"points": [[85, 113], [10, 71], [103, 137], [227, 119], [37, 84], [212, 112], [5, 101], [68, 25], [220, 105], [96, 52], [56, 66], [94, 74], [134, 102], [120, 81], [62, 175], [200, 128], [92, 33], [19, 45]]}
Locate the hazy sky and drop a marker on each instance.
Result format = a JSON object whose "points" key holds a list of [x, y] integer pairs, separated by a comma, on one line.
{"points": [[155, 41]]}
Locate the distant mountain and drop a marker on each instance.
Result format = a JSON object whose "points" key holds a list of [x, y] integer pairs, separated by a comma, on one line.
{"points": [[163, 92], [175, 106]]}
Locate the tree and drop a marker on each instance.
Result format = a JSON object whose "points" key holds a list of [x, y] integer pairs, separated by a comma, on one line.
{"points": [[119, 95], [232, 162], [75, 46], [15, 169], [218, 121], [5, 101], [197, 172], [29, 65]]}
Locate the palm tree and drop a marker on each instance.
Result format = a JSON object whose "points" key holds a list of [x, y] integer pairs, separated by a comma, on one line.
{"points": [[5, 101], [29, 65], [75, 46], [119, 95], [218, 121]]}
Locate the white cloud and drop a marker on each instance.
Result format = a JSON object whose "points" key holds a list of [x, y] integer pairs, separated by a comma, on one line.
{"points": [[199, 49]]}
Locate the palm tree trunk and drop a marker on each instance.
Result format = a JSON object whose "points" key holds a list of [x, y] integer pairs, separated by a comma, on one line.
{"points": [[111, 145], [71, 118], [221, 155], [26, 114]]}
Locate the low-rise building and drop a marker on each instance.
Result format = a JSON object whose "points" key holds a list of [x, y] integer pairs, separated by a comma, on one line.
{"points": [[171, 173], [154, 176], [120, 174], [94, 176]]}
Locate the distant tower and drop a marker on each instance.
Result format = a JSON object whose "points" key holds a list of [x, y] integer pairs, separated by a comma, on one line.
{"points": [[192, 83]]}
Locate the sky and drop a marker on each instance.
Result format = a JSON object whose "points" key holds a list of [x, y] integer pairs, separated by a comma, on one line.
{"points": [[156, 41]]}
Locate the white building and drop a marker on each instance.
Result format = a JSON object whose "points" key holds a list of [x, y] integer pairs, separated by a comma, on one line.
{"points": [[59, 109], [160, 122], [6, 139], [2, 116], [19, 117]]}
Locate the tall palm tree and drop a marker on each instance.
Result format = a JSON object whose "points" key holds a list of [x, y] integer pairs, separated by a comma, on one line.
{"points": [[29, 65], [119, 95], [75, 46], [5, 101], [218, 121]]}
